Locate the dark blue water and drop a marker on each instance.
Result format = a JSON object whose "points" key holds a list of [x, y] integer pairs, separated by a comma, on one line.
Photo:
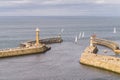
{"points": [[62, 61]]}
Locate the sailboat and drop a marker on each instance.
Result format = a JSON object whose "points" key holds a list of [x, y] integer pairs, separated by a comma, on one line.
{"points": [[83, 35], [62, 30], [76, 39], [79, 35], [114, 31]]}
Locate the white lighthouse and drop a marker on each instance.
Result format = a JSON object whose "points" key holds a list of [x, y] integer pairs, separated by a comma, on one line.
{"points": [[92, 38], [91, 41]]}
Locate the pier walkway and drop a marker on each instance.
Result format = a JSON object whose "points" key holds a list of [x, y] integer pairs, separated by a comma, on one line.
{"points": [[110, 44]]}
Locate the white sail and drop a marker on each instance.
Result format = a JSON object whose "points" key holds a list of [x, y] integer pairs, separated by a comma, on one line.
{"points": [[76, 39], [83, 35], [62, 30], [114, 31], [79, 35]]}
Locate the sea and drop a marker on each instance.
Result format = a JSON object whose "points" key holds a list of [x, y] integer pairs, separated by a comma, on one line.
{"points": [[62, 61]]}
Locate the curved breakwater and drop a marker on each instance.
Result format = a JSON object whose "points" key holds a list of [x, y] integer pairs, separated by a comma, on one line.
{"points": [[90, 56], [110, 44], [110, 63]]}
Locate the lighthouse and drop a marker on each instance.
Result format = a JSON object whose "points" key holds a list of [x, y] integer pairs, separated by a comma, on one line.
{"points": [[91, 41], [92, 38], [37, 36]]}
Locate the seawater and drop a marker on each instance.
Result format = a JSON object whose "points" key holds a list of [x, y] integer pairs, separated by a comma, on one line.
{"points": [[62, 61]]}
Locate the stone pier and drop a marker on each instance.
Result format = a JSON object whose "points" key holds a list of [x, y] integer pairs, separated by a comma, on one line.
{"points": [[110, 44], [91, 58]]}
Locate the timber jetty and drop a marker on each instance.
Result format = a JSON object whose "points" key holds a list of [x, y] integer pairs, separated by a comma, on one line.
{"points": [[91, 58], [31, 47]]}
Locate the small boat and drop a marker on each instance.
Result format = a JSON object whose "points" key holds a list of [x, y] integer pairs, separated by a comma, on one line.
{"points": [[114, 30], [79, 35], [62, 30], [76, 39], [105, 51], [83, 35]]}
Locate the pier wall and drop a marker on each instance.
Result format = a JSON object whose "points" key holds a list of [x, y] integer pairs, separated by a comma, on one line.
{"points": [[49, 40], [52, 40], [90, 58], [110, 44], [43, 41], [107, 43], [24, 51]]}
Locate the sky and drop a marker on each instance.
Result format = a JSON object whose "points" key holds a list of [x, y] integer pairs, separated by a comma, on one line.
{"points": [[59, 7]]}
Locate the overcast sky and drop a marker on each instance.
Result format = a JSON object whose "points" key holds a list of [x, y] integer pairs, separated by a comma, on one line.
{"points": [[59, 7]]}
